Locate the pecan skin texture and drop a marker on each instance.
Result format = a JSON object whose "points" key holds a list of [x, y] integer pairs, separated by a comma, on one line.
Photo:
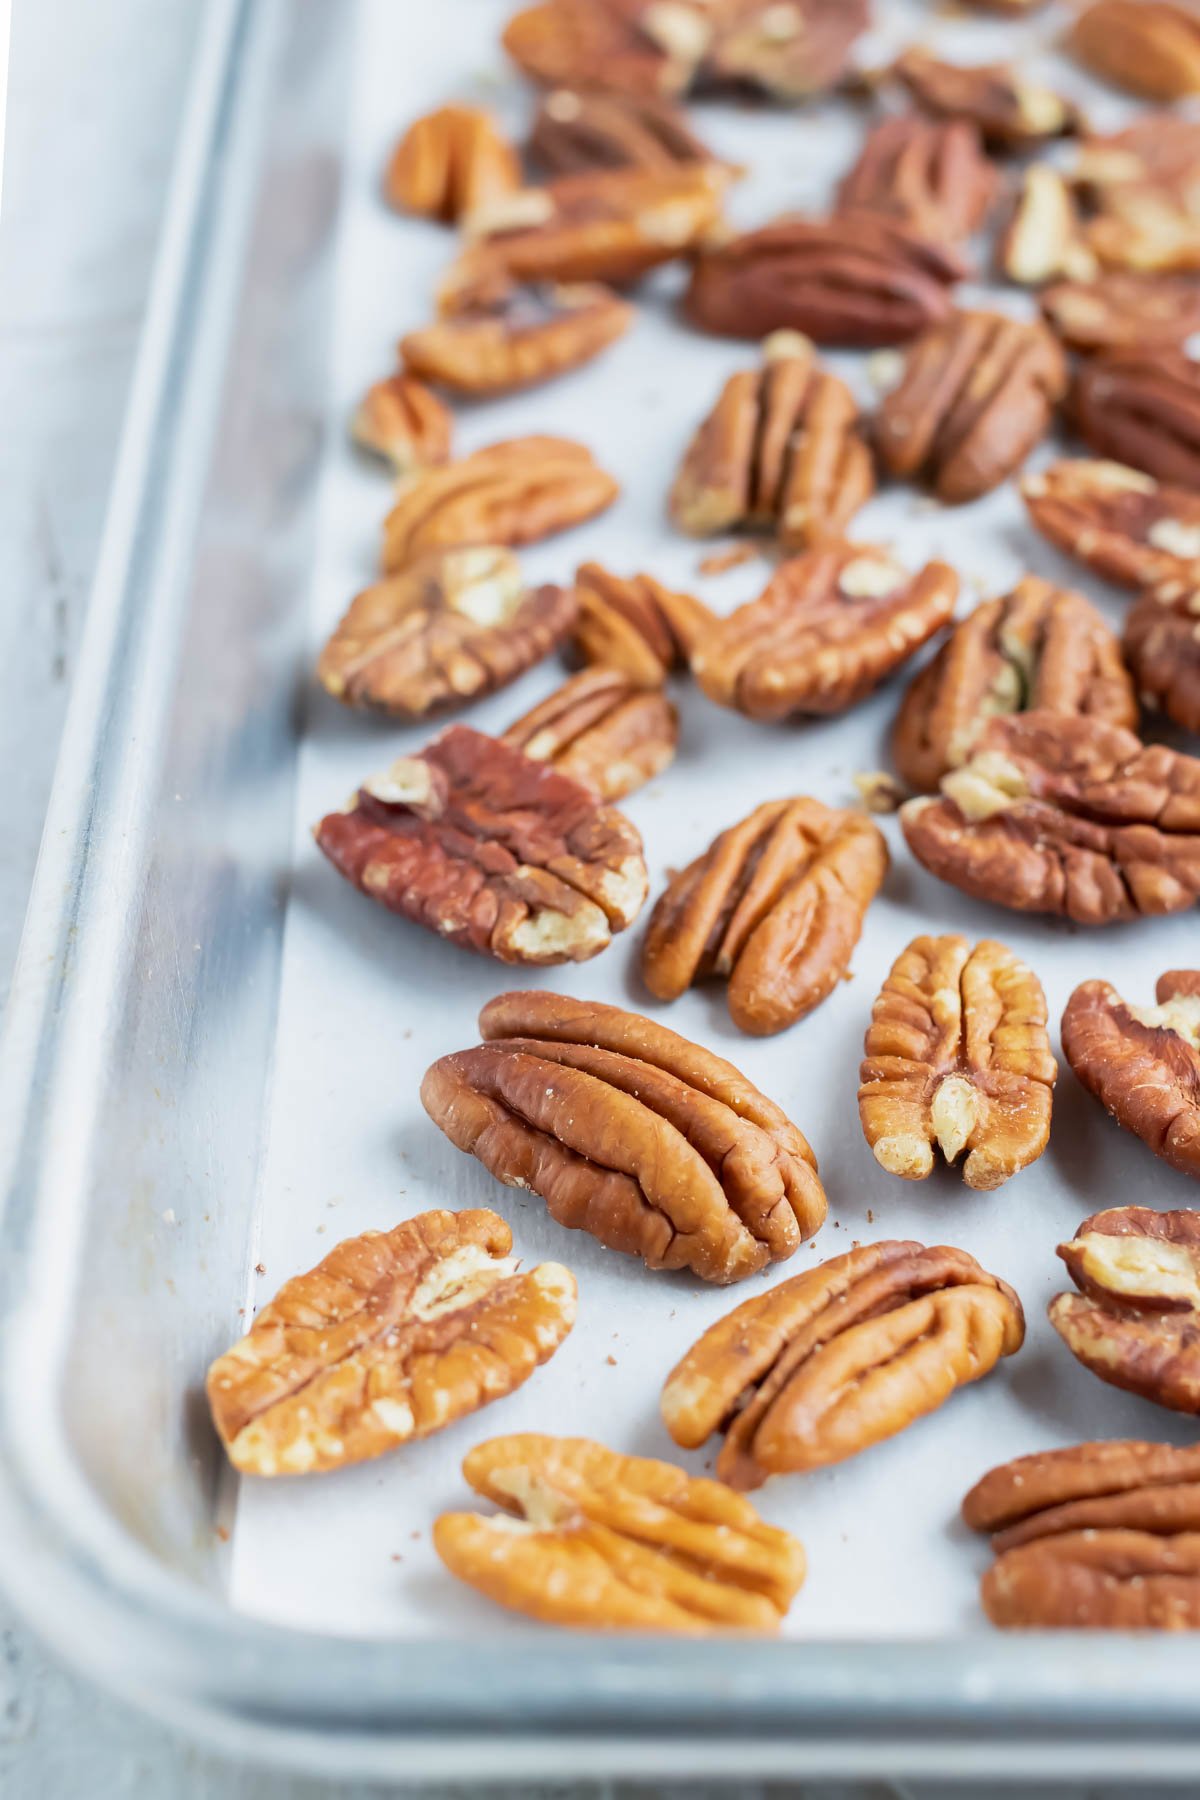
{"points": [[1118, 521], [612, 1542], [586, 128], [1122, 312], [516, 338], [1039, 648], [1143, 1063], [604, 731], [393, 1336], [627, 1131], [1162, 647], [1010, 112], [774, 907], [400, 420], [448, 163], [1141, 408], [1065, 816], [929, 174], [839, 1358], [828, 628], [1148, 47], [493, 851], [957, 1058], [634, 624]]}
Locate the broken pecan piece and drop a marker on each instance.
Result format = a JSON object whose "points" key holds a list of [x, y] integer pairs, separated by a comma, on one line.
{"points": [[585, 128], [928, 174], [1147, 47], [394, 1335], [616, 1543], [655, 1146], [840, 1358], [493, 851], [634, 624], [1123, 312], [1141, 408], [1162, 647], [1039, 648], [774, 906], [1044, 238], [516, 337], [400, 420], [1143, 1062], [1123, 524], [1010, 111], [448, 163], [609, 733]]}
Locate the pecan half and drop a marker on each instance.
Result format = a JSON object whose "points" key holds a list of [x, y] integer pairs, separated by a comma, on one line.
{"points": [[394, 1335], [781, 448], [1139, 187], [616, 1543], [1143, 1062], [655, 1146], [774, 906], [511, 493], [634, 624], [1010, 111], [840, 1358], [1039, 648], [585, 128], [493, 851], [1065, 816], [1147, 47], [400, 420], [448, 163], [608, 733], [1162, 647], [828, 627], [977, 394], [1123, 312], [1044, 237], [788, 49], [1121, 523], [957, 1058], [1141, 408], [517, 337], [449, 628], [929, 174]]}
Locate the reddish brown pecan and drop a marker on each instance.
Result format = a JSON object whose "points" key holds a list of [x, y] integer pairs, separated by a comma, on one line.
{"points": [[516, 337], [1143, 1062], [1123, 312], [601, 729], [1044, 237], [448, 163], [929, 174], [493, 851], [1116, 520], [1148, 47], [586, 128], [774, 906], [1141, 408], [1162, 647], [400, 419], [1010, 111], [653, 1145], [634, 624]]}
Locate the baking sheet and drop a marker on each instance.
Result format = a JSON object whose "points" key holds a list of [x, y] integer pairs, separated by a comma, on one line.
{"points": [[367, 1001]]}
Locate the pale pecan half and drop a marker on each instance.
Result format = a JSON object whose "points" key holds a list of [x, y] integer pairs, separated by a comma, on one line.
{"points": [[511, 493], [1044, 237], [1143, 1062], [1116, 520], [585, 128], [774, 907], [929, 174], [1038, 648], [840, 1358], [609, 733], [616, 1543], [977, 394], [1011, 111], [780, 449], [448, 163], [1141, 408], [394, 1335], [655, 1146], [634, 624], [493, 851], [402, 421], [1123, 312], [449, 628], [828, 627], [516, 337], [1065, 816], [1147, 47], [1162, 647]]}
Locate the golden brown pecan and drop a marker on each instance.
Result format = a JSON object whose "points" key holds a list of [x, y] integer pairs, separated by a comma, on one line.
{"points": [[828, 627], [780, 449], [394, 1335], [774, 907], [511, 493], [400, 419], [788, 49], [1044, 237], [957, 1058], [845, 280], [1162, 647], [1116, 1482], [600, 44], [839, 1358], [493, 851], [1010, 111], [616, 1543], [603, 730], [929, 174], [655, 1146], [1123, 524], [977, 394], [1123, 312], [448, 163], [1141, 408], [1147, 47], [1040, 647], [585, 128], [1143, 1062], [516, 337], [1015, 8], [1140, 188], [448, 628], [1065, 816], [634, 624]]}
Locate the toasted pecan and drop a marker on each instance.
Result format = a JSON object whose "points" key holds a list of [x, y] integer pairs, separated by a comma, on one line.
{"points": [[1123, 312], [636, 625], [1142, 1062], [1148, 47], [1162, 647], [402, 421], [516, 337], [930, 174], [587, 128], [1141, 408], [1118, 521], [603, 730], [448, 163], [1011, 111]]}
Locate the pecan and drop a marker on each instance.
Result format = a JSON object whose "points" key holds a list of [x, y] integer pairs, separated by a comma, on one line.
{"points": [[839, 1358], [1044, 237], [977, 394], [603, 730], [634, 624], [781, 448], [1123, 312], [585, 128], [655, 1146], [774, 906], [1123, 524], [1014, 8], [511, 493], [400, 420], [788, 49], [1141, 408], [1140, 188], [1039, 648], [828, 627], [608, 1542], [1010, 111], [1147, 47], [449, 628], [1162, 647], [1143, 1062], [929, 174], [516, 337], [394, 1335], [1065, 816], [493, 851], [846, 280], [448, 163]]}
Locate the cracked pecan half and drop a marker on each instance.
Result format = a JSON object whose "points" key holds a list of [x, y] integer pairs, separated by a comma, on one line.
{"points": [[394, 1335], [616, 1543], [957, 1058], [1143, 1062], [650, 1143], [1118, 521], [1162, 647], [511, 493], [1044, 237], [1123, 312], [1039, 648], [837, 1359], [1141, 408], [1065, 816], [977, 394], [774, 907], [402, 421], [1147, 47], [1010, 111], [828, 627], [609, 733], [448, 163], [930, 174], [781, 449], [634, 624], [449, 628], [493, 851], [516, 337], [585, 128]]}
